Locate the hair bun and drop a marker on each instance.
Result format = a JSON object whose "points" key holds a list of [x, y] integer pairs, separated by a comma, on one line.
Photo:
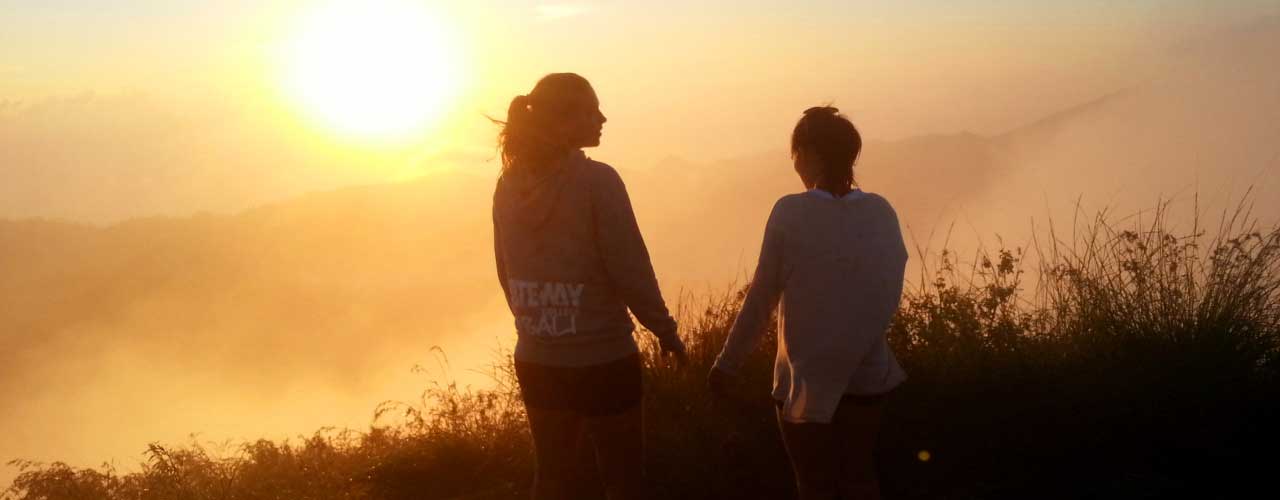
{"points": [[829, 110]]}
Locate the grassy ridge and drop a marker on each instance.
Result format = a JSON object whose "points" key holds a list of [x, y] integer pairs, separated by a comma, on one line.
{"points": [[1143, 364]]}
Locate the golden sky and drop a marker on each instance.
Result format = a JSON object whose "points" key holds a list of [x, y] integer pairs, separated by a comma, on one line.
{"points": [[196, 93]]}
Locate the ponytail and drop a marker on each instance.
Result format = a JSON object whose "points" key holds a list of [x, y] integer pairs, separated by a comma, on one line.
{"points": [[516, 131]]}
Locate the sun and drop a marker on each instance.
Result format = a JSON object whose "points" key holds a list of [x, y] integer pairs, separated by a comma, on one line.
{"points": [[380, 68]]}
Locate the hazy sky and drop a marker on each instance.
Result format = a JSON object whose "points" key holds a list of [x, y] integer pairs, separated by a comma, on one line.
{"points": [[111, 110], [698, 80]]}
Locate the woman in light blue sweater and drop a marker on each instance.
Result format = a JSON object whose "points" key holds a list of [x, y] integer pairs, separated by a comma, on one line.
{"points": [[834, 257]]}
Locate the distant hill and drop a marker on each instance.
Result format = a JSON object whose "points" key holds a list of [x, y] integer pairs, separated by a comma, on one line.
{"points": [[357, 264], [309, 311], [1205, 127], [328, 288]]}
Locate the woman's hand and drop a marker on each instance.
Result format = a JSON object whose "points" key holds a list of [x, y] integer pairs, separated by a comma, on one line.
{"points": [[718, 382], [675, 348]]}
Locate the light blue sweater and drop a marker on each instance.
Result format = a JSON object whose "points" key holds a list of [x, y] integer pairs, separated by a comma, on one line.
{"points": [[837, 267]]}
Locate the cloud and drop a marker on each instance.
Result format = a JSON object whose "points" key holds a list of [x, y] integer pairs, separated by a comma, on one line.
{"points": [[555, 11]]}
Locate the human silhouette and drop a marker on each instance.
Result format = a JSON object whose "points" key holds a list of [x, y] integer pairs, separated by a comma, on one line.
{"points": [[834, 257], [571, 261]]}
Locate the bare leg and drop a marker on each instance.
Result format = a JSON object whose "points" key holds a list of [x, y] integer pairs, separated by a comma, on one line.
{"points": [[619, 441], [588, 483], [814, 453], [556, 438], [858, 424]]}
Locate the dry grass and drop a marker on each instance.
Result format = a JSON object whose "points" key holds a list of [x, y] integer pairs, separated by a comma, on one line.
{"points": [[1143, 365]]}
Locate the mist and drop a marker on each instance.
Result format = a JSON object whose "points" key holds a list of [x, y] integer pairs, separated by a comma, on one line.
{"points": [[294, 303]]}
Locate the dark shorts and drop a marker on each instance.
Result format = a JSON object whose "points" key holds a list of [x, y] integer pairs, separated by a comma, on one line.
{"points": [[593, 391]]}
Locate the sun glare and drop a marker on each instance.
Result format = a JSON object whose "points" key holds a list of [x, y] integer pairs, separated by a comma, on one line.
{"points": [[378, 68]]}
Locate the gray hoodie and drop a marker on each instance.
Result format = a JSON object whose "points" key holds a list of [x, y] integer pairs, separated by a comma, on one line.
{"points": [[571, 261]]}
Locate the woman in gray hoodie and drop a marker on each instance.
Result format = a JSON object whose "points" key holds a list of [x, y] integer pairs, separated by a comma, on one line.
{"points": [[571, 261]]}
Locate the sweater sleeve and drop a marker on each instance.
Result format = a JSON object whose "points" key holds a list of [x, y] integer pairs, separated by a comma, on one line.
{"points": [[888, 262], [762, 298], [626, 259]]}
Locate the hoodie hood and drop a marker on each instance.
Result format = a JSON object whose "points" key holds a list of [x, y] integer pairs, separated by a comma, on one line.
{"points": [[531, 197]]}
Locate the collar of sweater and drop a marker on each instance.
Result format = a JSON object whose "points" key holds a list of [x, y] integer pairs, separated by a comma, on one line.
{"points": [[851, 195]]}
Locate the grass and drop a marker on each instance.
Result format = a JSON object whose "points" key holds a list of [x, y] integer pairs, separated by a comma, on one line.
{"points": [[1141, 364]]}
